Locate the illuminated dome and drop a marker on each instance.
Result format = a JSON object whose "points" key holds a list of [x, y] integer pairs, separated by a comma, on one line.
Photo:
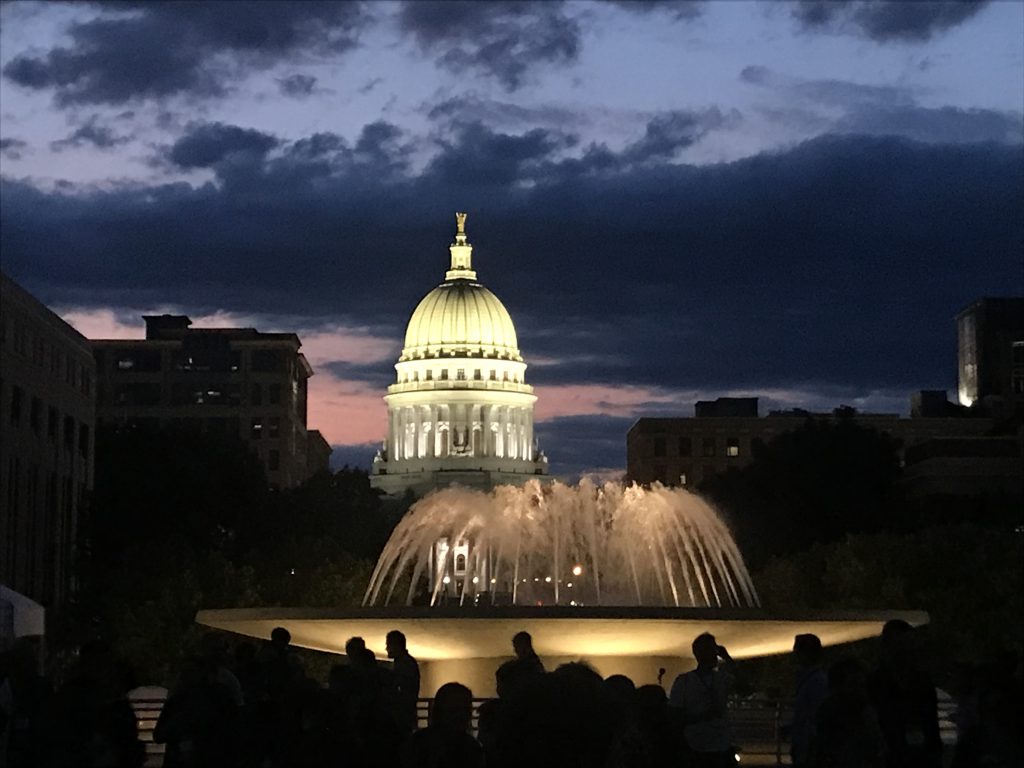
{"points": [[460, 318], [460, 410]]}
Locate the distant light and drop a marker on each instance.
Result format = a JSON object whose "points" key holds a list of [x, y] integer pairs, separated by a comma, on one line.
{"points": [[547, 579], [293, 571], [577, 570], [446, 580], [476, 579], [535, 578], [569, 585], [494, 581]]}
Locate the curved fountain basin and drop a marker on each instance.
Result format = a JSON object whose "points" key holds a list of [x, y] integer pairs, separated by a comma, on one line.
{"points": [[468, 644]]}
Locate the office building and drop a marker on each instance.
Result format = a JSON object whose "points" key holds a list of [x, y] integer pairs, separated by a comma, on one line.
{"points": [[222, 381], [47, 433]]}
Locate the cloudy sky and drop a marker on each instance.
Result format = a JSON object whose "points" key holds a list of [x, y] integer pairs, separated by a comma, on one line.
{"points": [[675, 201]]}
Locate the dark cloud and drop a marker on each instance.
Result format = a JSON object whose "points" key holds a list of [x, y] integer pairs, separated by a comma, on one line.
{"points": [[881, 110], [297, 85], [668, 133], [155, 50], [841, 260], [504, 39], [937, 125], [479, 155], [11, 148], [685, 10], [886, 20], [208, 144], [90, 133]]}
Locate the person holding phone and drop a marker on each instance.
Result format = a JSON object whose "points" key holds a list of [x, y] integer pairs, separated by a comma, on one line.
{"points": [[699, 699]]}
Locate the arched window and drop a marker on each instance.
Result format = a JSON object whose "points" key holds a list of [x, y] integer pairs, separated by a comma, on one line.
{"points": [[460, 563]]}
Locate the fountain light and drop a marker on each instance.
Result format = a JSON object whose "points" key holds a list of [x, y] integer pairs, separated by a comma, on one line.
{"points": [[577, 570]]}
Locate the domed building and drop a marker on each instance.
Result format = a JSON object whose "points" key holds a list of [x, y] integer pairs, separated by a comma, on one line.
{"points": [[460, 410]]}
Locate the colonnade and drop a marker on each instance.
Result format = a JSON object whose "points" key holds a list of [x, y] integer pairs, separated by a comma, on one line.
{"points": [[440, 431]]}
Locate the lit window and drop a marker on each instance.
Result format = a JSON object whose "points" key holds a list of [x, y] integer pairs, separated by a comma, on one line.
{"points": [[732, 447], [682, 478], [256, 431]]}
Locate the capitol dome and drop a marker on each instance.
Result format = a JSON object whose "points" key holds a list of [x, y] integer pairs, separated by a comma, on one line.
{"points": [[460, 410], [460, 318]]}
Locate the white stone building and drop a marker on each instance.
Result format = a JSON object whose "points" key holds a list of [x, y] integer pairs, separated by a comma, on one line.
{"points": [[460, 410]]}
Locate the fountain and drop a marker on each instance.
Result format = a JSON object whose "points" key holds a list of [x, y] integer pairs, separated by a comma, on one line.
{"points": [[555, 544], [624, 577]]}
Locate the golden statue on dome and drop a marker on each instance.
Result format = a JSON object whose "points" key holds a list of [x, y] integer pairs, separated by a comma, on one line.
{"points": [[460, 222]]}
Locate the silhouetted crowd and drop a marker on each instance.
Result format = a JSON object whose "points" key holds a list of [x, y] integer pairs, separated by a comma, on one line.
{"points": [[260, 709]]}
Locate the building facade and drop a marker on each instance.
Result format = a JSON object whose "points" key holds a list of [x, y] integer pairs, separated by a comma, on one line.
{"points": [[460, 410], [990, 356], [685, 451], [224, 381], [47, 436]]}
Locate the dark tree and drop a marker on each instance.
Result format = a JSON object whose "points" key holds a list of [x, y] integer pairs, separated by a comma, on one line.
{"points": [[813, 484]]}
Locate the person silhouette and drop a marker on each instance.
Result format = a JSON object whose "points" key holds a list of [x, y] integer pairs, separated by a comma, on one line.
{"points": [[700, 698], [405, 680], [527, 659], [811, 690]]}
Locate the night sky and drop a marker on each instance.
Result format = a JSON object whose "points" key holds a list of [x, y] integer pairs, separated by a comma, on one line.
{"points": [[674, 201]]}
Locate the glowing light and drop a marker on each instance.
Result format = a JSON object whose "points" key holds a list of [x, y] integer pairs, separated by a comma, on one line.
{"points": [[494, 581], [569, 585], [577, 570], [476, 579], [446, 580], [547, 579]]}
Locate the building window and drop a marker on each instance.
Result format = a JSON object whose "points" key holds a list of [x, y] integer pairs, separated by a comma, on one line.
{"points": [[460, 374], [35, 415], [83, 440], [444, 374], [709, 446], [430, 375], [494, 375], [52, 420], [1017, 368], [477, 375], [460, 563], [505, 378], [274, 427], [274, 460], [274, 394], [69, 432], [732, 446], [256, 395], [685, 446], [256, 430], [683, 476], [659, 446], [17, 395]]}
